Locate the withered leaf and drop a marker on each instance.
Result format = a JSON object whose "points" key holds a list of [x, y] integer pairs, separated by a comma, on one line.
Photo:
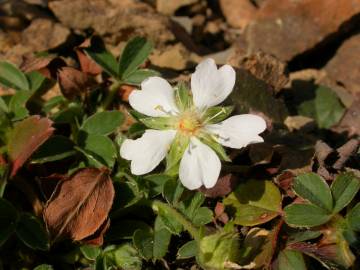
{"points": [[97, 239], [25, 138], [345, 152], [80, 204], [73, 83]]}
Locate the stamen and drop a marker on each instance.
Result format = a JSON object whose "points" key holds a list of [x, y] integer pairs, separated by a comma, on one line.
{"points": [[161, 108]]}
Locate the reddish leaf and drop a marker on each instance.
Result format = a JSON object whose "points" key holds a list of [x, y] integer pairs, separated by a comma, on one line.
{"points": [[224, 186], [87, 65], [285, 181], [80, 204], [73, 82], [25, 138]]}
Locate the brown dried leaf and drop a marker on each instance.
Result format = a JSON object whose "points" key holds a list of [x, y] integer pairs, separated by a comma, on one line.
{"points": [[345, 152], [80, 204], [224, 186], [73, 83], [97, 238]]}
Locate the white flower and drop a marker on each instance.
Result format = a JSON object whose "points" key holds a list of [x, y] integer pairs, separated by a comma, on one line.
{"points": [[193, 124]]}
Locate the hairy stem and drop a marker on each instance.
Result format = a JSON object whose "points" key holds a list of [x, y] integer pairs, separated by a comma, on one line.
{"points": [[111, 95]]}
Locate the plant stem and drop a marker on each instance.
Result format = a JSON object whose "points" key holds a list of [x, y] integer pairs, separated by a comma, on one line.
{"points": [[110, 97], [193, 230]]}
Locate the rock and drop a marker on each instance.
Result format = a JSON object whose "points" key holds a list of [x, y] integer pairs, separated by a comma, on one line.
{"points": [[174, 57], [44, 34], [287, 28], [263, 66], [169, 7], [344, 68], [118, 20], [238, 13]]}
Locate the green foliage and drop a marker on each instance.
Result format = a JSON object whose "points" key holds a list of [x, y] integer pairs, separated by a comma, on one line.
{"points": [[314, 189], [254, 202], [135, 53], [188, 250], [290, 259], [325, 202], [8, 217], [325, 108], [12, 77], [103, 123], [32, 232]]}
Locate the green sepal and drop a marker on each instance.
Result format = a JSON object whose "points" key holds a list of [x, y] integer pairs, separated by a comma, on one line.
{"points": [[214, 145], [159, 122], [183, 97], [175, 154], [216, 114]]}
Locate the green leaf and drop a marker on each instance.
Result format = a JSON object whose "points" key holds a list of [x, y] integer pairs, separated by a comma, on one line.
{"points": [[290, 259], [216, 114], [90, 252], [344, 189], [177, 149], [353, 218], [313, 188], [103, 123], [187, 250], [55, 148], [183, 97], [170, 221], [217, 249], [103, 58], [255, 202], [3, 106], [203, 216], [127, 257], [305, 215], [44, 267], [172, 191], [326, 108], [8, 220], [144, 243], [32, 232], [12, 77], [135, 53], [156, 183], [159, 122], [303, 236], [214, 145], [36, 80], [138, 76], [98, 149], [161, 239], [125, 229], [17, 105]]}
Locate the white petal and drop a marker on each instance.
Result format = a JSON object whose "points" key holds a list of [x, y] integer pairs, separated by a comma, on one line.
{"points": [[238, 131], [155, 99], [211, 86], [199, 166], [147, 152]]}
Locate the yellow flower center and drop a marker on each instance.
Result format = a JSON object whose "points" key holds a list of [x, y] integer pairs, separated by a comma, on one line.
{"points": [[189, 123]]}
